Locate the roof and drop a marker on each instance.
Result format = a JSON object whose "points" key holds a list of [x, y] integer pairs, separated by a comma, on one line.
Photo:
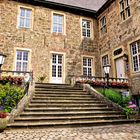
{"points": [[94, 5]]}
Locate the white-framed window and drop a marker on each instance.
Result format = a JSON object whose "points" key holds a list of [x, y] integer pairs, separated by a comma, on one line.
{"points": [[135, 52], [103, 26], [22, 60], [87, 66], [125, 9], [105, 60], [25, 18], [58, 23], [86, 28]]}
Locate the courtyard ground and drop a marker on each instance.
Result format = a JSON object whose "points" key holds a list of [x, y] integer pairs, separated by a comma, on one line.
{"points": [[118, 132]]}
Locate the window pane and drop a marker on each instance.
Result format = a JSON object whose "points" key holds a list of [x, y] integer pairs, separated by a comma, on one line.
{"points": [[59, 71], [85, 71], [28, 13], [84, 62], [28, 22], [19, 55], [134, 49], [59, 59], [25, 56], [84, 32], [89, 72], [24, 68], [53, 71], [135, 63], [18, 66], [60, 29], [88, 24], [22, 12], [54, 59], [21, 22], [89, 62], [88, 33]]}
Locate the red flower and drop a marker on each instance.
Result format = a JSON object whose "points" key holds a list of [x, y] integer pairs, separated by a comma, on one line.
{"points": [[3, 115]]}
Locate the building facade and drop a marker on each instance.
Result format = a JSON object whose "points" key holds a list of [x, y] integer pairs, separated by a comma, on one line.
{"points": [[63, 39]]}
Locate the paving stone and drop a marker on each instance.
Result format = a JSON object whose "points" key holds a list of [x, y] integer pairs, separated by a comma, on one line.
{"points": [[121, 132]]}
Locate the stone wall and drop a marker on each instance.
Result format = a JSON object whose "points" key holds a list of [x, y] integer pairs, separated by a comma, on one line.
{"points": [[41, 41], [121, 34]]}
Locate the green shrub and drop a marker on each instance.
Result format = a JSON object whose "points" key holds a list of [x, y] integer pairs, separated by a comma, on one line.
{"points": [[115, 96], [10, 95]]}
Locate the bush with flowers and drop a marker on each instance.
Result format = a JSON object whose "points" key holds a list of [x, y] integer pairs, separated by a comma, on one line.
{"points": [[100, 83], [131, 110], [12, 80]]}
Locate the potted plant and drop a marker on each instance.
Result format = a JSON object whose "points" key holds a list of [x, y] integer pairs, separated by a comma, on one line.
{"points": [[42, 78], [3, 119]]}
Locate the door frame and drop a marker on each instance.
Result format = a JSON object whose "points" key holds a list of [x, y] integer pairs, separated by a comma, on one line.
{"points": [[123, 66], [63, 66]]}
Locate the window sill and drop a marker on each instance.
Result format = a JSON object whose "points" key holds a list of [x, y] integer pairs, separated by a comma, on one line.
{"points": [[58, 34], [126, 20], [87, 38], [24, 28]]}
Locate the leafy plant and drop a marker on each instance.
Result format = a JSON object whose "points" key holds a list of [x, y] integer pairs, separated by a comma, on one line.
{"points": [[42, 78], [10, 95]]}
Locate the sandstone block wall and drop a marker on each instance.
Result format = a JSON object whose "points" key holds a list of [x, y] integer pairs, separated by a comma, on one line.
{"points": [[41, 41], [120, 34]]}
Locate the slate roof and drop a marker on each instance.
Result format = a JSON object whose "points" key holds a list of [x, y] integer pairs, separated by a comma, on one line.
{"points": [[86, 4]]}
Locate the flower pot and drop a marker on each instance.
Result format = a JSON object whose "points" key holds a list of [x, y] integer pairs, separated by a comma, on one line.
{"points": [[3, 123]]}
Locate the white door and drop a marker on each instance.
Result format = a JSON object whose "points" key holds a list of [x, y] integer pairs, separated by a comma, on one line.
{"points": [[57, 68], [120, 70]]}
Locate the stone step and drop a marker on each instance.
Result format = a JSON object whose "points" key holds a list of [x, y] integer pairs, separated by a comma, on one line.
{"points": [[65, 105], [65, 101], [57, 87], [48, 85], [63, 98], [62, 92], [63, 95], [57, 90], [56, 109], [51, 84], [86, 123], [70, 113], [73, 118]]}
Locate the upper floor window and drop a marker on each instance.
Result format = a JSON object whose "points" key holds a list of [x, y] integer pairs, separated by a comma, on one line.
{"points": [[125, 9], [22, 60], [25, 18], [103, 25], [87, 66], [86, 28], [58, 23], [105, 60], [135, 52]]}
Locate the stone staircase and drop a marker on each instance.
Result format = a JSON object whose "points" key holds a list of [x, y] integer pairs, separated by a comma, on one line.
{"points": [[64, 106]]}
